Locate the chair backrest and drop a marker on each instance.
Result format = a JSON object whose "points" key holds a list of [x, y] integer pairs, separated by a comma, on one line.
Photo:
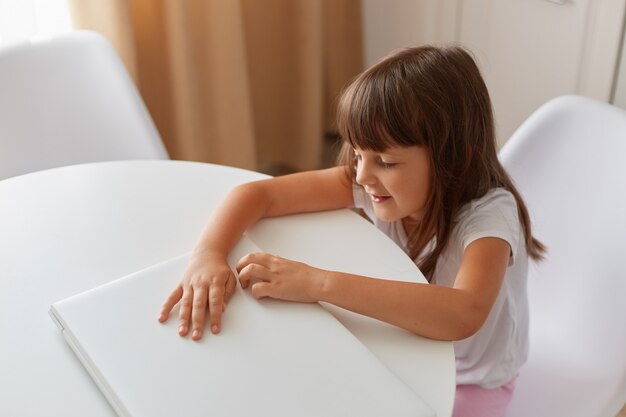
{"points": [[569, 162], [69, 100]]}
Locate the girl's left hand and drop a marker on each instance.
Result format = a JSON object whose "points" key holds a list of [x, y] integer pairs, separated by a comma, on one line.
{"points": [[276, 277]]}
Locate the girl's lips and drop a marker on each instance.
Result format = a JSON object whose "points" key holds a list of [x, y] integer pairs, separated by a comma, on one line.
{"points": [[379, 198]]}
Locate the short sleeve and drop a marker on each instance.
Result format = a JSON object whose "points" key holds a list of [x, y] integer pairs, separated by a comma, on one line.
{"points": [[494, 215], [358, 194], [362, 201]]}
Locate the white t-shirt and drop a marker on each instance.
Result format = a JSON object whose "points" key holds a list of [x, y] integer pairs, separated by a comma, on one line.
{"points": [[492, 356]]}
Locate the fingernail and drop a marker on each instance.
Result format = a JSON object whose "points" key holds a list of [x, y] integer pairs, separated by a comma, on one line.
{"points": [[215, 328], [181, 329], [196, 334]]}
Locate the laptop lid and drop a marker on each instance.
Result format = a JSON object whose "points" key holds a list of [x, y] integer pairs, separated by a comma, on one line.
{"points": [[272, 358]]}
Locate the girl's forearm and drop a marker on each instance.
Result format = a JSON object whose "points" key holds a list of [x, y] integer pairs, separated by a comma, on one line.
{"points": [[429, 310], [242, 207], [247, 203]]}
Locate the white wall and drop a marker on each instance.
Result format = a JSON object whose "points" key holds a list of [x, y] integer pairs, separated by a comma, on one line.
{"points": [[529, 50], [390, 24]]}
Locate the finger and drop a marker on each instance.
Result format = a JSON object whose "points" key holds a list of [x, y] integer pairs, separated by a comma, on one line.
{"points": [[261, 258], [261, 289], [244, 261], [171, 301], [253, 272], [216, 307], [185, 311], [198, 312]]}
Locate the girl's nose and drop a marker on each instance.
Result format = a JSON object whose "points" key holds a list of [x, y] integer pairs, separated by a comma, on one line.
{"points": [[364, 175]]}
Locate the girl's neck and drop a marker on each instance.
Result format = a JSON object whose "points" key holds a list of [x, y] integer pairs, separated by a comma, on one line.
{"points": [[410, 225]]}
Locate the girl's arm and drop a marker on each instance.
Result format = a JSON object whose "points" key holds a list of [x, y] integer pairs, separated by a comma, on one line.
{"points": [[208, 280], [432, 311]]}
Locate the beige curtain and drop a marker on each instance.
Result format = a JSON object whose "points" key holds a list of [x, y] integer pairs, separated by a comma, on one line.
{"points": [[248, 83]]}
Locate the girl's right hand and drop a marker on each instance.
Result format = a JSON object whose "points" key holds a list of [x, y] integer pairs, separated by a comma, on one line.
{"points": [[207, 282]]}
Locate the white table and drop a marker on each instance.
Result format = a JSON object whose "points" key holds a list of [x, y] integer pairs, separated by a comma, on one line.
{"points": [[70, 229]]}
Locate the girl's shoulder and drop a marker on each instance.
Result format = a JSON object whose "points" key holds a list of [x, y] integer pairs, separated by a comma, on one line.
{"points": [[493, 214], [498, 195], [497, 200]]}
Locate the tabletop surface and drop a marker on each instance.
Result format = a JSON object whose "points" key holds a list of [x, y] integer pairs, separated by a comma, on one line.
{"points": [[70, 229]]}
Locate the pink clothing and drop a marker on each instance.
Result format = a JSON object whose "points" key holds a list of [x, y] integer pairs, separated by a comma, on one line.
{"points": [[476, 401]]}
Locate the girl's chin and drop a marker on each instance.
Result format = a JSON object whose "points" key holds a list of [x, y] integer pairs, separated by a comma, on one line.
{"points": [[394, 216], [386, 217]]}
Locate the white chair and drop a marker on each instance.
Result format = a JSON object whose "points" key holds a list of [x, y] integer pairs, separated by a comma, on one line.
{"points": [[569, 162], [69, 100]]}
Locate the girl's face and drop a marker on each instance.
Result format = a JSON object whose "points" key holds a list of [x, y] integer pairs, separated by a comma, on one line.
{"points": [[398, 181]]}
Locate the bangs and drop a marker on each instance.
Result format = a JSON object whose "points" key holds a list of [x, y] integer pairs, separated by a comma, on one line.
{"points": [[369, 115]]}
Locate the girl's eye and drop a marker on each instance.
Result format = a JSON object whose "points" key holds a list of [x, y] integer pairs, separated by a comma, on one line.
{"points": [[385, 164], [357, 158]]}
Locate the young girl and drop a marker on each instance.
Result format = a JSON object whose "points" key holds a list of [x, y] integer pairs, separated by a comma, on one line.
{"points": [[419, 157]]}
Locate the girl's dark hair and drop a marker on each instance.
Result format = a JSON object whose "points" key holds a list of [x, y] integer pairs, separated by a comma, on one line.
{"points": [[433, 97]]}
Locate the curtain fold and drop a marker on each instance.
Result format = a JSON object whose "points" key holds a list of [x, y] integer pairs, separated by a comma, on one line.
{"points": [[245, 83]]}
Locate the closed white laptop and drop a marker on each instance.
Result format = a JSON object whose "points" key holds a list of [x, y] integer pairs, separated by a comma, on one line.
{"points": [[272, 358]]}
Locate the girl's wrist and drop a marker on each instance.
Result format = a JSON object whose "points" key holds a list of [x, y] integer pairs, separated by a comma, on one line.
{"points": [[322, 285], [201, 253]]}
